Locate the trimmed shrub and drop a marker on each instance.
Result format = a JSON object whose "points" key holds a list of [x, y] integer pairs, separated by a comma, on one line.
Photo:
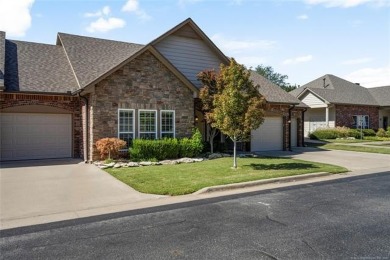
{"points": [[324, 133], [368, 132], [334, 133], [143, 149], [381, 133], [388, 131], [109, 147], [167, 148]]}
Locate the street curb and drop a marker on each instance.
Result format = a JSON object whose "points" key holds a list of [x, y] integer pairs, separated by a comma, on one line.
{"points": [[261, 182]]}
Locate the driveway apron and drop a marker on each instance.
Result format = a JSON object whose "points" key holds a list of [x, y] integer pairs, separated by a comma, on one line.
{"points": [[44, 188]]}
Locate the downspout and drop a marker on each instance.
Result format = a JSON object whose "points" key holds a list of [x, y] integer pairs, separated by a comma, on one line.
{"points": [[289, 126], [303, 127], [86, 127]]}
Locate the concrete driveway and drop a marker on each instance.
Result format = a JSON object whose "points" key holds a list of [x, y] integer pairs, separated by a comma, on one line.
{"points": [[45, 191], [353, 161]]}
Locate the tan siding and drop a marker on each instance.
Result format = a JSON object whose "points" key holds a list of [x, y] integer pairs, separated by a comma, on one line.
{"points": [[188, 55], [313, 101]]}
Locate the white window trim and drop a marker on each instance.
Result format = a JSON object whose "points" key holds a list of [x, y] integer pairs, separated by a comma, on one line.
{"points": [[174, 123], [139, 122], [119, 132], [368, 121]]}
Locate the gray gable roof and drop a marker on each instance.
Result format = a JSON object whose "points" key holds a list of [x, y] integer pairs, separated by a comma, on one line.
{"points": [[91, 57], [337, 91], [2, 58], [272, 92], [381, 95], [36, 67]]}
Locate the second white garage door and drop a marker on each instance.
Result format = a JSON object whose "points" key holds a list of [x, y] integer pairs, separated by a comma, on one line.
{"points": [[269, 136], [26, 136]]}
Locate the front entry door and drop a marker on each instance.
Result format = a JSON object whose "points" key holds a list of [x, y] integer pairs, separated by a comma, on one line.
{"points": [[385, 122]]}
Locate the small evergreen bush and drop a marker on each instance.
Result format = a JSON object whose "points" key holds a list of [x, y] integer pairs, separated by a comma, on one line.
{"points": [[167, 148], [368, 132], [382, 133]]}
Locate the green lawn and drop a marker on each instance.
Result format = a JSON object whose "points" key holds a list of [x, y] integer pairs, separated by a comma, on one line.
{"points": [[344, 141], [367, 149], [187, 178]]}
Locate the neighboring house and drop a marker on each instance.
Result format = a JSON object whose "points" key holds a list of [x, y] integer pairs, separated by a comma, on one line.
{"points": [[333, 101], [58, 100]]}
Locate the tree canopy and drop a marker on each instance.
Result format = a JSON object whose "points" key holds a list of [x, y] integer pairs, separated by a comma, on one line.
{"points": [[206, 95], [275, 77], [238, 105]]}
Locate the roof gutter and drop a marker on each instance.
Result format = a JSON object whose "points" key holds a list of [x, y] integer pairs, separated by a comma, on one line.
{"points": [[86, 155]]}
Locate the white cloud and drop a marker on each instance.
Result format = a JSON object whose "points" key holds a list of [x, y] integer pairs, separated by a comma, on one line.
{"points": [[357, 61], [370, 77], [105, 24], [132, 6], [298, 60], [239, 46], [302, 17], [104, 11], [251, 61], [348, 3], [15, 17]]}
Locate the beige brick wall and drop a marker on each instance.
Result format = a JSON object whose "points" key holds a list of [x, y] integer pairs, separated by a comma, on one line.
{"points": [[143, 83]]}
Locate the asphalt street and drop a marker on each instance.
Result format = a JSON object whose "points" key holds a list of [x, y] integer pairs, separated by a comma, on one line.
{"points": [[339, 219]]}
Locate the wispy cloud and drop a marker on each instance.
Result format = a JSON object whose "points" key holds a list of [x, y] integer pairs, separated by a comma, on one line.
{"points": [[302, 17], [104, 11], [370, 77], [238, 46], [15, 17], [297, 60], [105, 24], [132, 6], [348, 3], [357, 61]]}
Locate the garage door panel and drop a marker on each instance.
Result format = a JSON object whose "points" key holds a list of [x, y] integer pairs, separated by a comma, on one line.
{"points": [[35, 136], [269, 136]]}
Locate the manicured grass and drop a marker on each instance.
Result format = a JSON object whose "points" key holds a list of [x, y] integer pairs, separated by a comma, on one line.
{"points": [[366, 149], [188, 178], [344, 141]]}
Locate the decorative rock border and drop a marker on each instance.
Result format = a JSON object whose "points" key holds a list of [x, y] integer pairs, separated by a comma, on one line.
{"points": [[126, 164]]}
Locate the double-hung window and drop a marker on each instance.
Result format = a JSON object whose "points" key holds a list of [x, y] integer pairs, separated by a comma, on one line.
{"points": [[167, 123], [361, 121], [147, 124], [126, 125]]}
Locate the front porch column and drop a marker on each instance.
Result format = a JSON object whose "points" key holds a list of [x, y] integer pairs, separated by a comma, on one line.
{"points": [[327, 116]]}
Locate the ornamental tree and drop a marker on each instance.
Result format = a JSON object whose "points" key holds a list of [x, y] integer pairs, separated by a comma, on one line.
{"points": [[238, 105], [206, 95]]}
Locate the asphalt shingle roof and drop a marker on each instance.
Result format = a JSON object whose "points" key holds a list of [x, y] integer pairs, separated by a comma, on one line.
{"points": [[381, 95], [338, 91], [2, 57], [92, 57], [272, 92], [36, 67]]}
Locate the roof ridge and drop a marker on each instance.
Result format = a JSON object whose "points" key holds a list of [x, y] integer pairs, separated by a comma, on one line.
{"points": [[70, 63], [95, 38]]}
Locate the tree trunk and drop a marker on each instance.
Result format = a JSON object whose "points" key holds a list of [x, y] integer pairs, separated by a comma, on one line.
{"points": [[235, 153], [213, 132]]}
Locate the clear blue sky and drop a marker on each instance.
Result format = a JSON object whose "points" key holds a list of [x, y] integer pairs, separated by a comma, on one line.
{"points": [[303, 39]]}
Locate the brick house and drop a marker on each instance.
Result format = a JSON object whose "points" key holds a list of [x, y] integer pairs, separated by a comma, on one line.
{"points": [[58, 100], [334, 101]]}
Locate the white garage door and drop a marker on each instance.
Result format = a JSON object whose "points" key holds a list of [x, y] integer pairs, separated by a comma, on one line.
{"points": [[269, 136], [294, 132], [27, 136]]}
